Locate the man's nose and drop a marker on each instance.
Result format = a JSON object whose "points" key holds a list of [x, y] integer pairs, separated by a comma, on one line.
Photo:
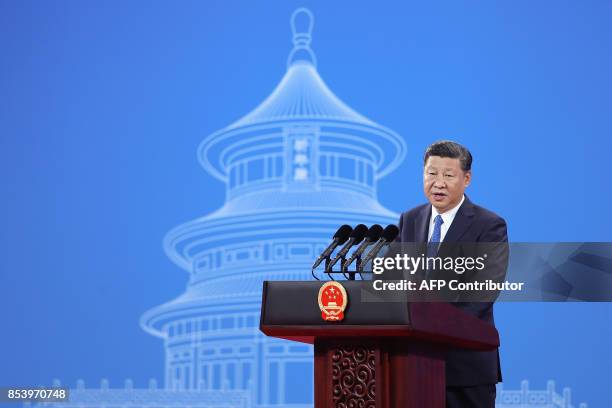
{"points": [[439, 183]]}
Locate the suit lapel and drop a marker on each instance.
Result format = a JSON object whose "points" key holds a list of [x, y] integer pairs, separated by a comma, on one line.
{"points": [[461, 223], [421, 224]]}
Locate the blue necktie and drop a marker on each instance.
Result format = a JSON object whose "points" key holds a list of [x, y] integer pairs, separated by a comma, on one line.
{"points": [[434, 242]]}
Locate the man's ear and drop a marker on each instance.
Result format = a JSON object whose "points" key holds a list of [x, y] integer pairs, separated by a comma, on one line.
{"points": [[468, 178]]}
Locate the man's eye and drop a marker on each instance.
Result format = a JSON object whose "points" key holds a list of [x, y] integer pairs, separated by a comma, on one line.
{"points": [[431, 174], [449, 175]]}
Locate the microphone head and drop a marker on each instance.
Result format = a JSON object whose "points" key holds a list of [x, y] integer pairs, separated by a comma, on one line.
{"points": [[390, 233], [343, 233], [359, 232], [374, 233]]}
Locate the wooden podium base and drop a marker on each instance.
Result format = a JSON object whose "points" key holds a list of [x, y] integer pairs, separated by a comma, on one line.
{"points": [[378, 374]]}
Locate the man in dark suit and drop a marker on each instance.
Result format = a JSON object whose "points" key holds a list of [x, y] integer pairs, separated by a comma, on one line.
{"points": [[451, 218]]}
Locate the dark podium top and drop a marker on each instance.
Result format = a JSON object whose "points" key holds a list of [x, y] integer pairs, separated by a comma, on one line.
{"points": [[290, 310]]}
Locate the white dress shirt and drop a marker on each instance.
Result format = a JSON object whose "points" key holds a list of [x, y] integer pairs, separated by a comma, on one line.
{"points": [[447, 217]]}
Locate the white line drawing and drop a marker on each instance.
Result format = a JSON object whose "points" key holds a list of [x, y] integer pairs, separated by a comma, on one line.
{"points": [[534, 398], [297, 166]]}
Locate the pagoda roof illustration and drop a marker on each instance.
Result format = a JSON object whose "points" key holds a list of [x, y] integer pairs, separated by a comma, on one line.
{"points": [[302, 96], [302, 93]]}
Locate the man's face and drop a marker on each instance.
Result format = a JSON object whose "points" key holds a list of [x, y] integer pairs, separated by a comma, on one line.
{"points": [[444, 182]]}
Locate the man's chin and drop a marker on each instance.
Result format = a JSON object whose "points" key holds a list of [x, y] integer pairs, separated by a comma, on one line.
{"points": [[440, 206]]}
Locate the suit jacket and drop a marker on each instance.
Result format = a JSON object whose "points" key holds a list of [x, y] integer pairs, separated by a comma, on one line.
{"points": [[472, 224]]}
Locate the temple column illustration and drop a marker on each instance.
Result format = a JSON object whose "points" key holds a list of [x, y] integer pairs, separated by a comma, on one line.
{"points": [[295, 168]]}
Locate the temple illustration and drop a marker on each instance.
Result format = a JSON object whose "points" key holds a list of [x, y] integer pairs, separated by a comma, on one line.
{"points": [[297, 166]]}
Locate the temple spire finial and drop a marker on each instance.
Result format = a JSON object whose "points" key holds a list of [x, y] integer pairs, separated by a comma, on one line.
{"points": [[302, 22]]}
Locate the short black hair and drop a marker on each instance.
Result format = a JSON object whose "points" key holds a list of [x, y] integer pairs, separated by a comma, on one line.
{"points": [[446, 148]]}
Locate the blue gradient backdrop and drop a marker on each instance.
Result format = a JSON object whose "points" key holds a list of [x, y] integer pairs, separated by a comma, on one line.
{"points": [[102, 106]]}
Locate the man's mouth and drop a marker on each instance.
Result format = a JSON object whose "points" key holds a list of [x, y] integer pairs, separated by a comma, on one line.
{"points": [[438, 196]]}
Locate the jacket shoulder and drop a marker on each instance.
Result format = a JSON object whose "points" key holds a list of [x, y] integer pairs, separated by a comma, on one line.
{"points": [[414, 212], [487, 216]]}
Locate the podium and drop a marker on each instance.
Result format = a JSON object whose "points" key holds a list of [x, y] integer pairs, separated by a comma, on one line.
{"points": [[382, 354]]}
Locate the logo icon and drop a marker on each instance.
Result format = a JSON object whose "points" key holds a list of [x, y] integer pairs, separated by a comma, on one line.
{"points": [[332, 301]]}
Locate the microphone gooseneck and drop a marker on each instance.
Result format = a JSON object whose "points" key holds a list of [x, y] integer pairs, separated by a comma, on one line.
{"points": [[373, 235], [388, 235], [356, 237], [340, 237]]}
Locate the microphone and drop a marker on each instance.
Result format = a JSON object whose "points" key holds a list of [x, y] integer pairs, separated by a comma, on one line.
{"points": [[356, 237], [372, 235], [340, 238], [388, 236]]}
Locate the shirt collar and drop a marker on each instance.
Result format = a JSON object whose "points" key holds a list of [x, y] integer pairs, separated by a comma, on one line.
{"points": [[449, 215]]}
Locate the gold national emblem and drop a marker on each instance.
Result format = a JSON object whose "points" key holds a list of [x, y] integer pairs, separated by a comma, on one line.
{"points": [[332, 301]]}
